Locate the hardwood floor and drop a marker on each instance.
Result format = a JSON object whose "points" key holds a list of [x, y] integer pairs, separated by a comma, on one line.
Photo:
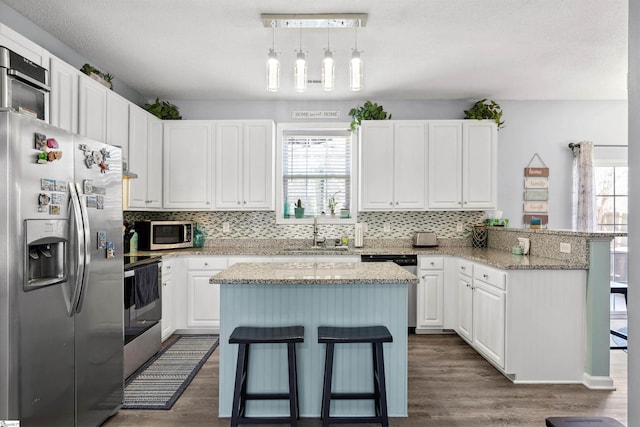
{"points": [[449, 385]]}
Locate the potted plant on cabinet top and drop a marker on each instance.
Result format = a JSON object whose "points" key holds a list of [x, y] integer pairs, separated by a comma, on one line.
{"points": [[104, 79], [368, 111], [298, 210], [483, 110], [163, 110]]}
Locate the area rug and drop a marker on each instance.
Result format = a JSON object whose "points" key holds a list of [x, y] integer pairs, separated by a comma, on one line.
{"points": [[161, 381]]}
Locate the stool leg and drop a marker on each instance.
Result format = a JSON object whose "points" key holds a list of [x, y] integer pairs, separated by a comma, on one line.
{"points": [[293, 384], [382, 384], [326, 389], [376, 384], [241, 367]]}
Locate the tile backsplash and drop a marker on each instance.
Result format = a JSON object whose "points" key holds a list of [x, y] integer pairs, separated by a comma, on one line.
{"points": [[262, 225]]}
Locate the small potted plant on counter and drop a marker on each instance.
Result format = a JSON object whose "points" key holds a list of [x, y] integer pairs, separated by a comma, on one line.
{"points": [[299, 210]]}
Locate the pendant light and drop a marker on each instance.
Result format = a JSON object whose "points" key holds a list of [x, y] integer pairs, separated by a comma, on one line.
{"points": [[328, 68], [273, 65], [355, 68], [300, 69]]}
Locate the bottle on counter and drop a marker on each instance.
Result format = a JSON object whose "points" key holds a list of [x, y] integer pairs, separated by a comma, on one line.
{"points": [[133, 243]]}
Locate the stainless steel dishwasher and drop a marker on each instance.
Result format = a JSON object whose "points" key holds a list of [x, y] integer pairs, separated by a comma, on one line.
{"points": [[409, 263]]}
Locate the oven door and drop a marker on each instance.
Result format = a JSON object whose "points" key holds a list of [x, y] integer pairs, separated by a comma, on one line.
{"points": [[140, 316]]}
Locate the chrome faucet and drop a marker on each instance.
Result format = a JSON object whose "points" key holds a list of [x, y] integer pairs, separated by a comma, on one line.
{"points": [[316, 241]]}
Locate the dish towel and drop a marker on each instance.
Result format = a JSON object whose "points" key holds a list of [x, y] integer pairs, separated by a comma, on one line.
{"points": [[146, 285]]}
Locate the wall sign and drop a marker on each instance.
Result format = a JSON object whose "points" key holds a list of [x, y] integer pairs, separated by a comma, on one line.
{"points": [[313, 115], [536, 193]]}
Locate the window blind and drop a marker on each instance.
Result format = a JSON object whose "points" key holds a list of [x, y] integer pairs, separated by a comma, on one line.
{"points": [[316, 166]]}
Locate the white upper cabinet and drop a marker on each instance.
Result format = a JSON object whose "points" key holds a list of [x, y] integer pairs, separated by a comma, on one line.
{"points": [[244, 159], [462, 165], [392, 162], [23, 46], [63, 100], [92, 113], [145, 157], [188, 164], [118, 123]]}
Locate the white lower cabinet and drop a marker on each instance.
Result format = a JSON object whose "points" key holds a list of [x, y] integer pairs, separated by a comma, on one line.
{"points": [[464, 326], [168, 326], [203, 298], [430, 294]]}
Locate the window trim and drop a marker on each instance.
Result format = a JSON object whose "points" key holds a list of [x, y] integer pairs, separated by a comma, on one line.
{"points": [[281, 128]]}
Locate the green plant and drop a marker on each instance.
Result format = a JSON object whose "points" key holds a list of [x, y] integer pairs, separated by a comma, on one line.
{"points": [[332, 203], [299, 204], [89, 69], [107, 77], [485, 110], [163, 110], [368, 111]]}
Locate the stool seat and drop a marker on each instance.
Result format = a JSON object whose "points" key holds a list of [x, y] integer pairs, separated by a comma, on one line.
{"points": [[582, 422], [245, 336], [376, 336], [266, 335], [354, 334]]}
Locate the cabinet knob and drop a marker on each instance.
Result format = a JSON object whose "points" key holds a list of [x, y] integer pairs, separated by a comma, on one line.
{"points": [[164, 284], [462, 268], [397, 203], [206, 264], [424, 277], [208, 203], [486, 276], [244, 202], [238, 201], [168, 267], [433, 263], [391, 203]]}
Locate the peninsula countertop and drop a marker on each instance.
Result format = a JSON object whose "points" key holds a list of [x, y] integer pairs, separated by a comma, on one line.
{"points": [[311, 273]]}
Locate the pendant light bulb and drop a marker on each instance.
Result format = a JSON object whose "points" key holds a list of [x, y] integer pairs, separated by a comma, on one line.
{"points": [[355, 71], [328, 71], [273, 72], [300, 72]]}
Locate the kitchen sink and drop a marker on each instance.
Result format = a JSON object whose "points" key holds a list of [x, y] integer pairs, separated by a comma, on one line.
{"points": [[317, 249]]}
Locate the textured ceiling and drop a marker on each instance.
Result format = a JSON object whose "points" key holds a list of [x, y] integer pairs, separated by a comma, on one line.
{"points": [[413, 49]]}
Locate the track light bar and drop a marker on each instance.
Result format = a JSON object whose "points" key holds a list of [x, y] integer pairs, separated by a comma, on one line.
{"points": [[315, 20]]}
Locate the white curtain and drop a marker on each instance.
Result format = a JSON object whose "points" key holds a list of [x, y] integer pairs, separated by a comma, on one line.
{"points": [[584, 213]]}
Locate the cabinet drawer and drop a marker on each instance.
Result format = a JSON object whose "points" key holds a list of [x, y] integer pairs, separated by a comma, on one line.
{"points": [[166, 268], [431, 263], [491, 276], [207, 263], [465, 267]]}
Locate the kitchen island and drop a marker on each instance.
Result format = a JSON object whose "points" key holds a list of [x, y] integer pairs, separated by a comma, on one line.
{"points": [[314, 294]]}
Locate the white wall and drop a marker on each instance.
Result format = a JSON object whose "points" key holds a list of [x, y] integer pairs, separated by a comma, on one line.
{"points": [[543, 127]]}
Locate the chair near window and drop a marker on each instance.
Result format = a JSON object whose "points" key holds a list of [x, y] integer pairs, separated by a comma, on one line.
{"points": [[619, 288]]}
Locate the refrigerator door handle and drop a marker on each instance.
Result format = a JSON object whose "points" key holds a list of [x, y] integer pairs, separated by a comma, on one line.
{"points": [[86, 249], [79, 251]]}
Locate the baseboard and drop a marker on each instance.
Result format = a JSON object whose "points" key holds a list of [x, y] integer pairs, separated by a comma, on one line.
{"points": [[598, 383]]}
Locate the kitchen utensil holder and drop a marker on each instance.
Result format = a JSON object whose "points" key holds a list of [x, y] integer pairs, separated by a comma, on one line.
{"points": [[479, 236]]}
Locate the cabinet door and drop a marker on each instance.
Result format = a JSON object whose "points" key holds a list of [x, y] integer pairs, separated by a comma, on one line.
{"points": [[479, 165], [430, 299], [257, 165], [167, 322], [188, 162], [409, 165], [465, 307], [92, 109], [154, 162], [445, 165], [63, 100], [138, 133], [118, 123], [203, 300], [488, 321], [228, 161], [376, 166]]}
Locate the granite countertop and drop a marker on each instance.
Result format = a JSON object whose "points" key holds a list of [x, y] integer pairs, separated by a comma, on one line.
{"points": [[314, 273], [493, 257]]}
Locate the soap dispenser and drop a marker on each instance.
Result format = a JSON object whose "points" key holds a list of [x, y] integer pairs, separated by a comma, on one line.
{"points": [[524, 243]]}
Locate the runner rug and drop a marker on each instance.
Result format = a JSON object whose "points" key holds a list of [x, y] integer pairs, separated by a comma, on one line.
{"points": [[161, 381]]}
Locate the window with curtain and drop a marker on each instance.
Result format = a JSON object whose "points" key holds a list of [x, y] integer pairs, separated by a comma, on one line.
{"points": [[317, 167], [612, 194]]}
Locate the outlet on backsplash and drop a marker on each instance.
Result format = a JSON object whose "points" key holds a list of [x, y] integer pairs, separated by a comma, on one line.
{"points": [[565, 248], [387, 227], [226, 227]]}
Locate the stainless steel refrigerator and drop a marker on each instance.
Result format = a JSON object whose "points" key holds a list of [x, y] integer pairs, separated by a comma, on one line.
{"points": [[61, 276]]}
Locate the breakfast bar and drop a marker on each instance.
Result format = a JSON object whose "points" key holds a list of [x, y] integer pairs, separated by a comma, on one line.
{"points": [[313, 294]]}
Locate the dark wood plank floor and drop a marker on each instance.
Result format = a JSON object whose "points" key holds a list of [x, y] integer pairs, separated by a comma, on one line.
{"points": [[449, 385]]}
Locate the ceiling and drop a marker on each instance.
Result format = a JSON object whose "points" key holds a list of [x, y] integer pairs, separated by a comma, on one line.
{"points": [[413, 49]]}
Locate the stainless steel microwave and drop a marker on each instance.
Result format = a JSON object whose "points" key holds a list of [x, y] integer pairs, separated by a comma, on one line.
{"points": [[156, 235], [23, 85]]}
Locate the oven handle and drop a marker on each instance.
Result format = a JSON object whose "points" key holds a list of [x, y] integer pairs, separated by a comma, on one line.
{"points": [[129, 273], [29, 80]]}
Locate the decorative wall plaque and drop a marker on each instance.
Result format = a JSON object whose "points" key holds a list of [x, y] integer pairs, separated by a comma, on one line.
{"points": [[536, 193]]}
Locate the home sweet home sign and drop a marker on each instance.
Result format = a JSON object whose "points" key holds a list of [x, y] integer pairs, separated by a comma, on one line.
{"points": [[536, 193]]}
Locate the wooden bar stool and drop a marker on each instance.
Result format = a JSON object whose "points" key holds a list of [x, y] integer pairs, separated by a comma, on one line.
{"points": [[376, 335], [245, 336]]}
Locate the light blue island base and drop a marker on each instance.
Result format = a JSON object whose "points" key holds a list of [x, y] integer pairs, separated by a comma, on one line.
{"points": [[313, 305]]}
